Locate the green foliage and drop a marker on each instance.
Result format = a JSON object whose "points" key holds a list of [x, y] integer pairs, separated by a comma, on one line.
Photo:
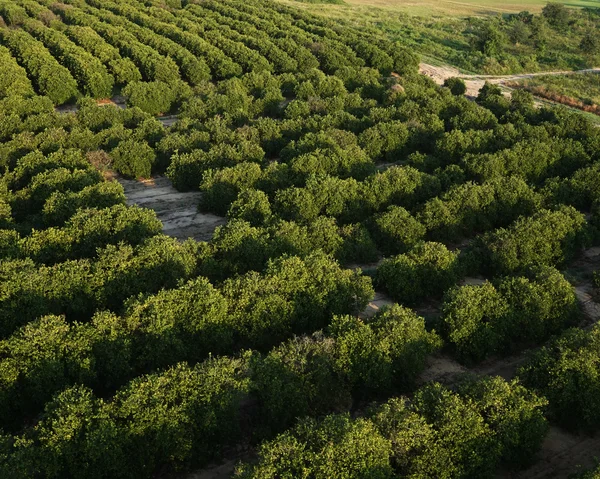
{"points": [[188, 322], [590, 43], [557, 14], [31, 199], [396, 230], [252, 206], [293, 296], [92, 76], [546, 238], [318, 374], [60, 206], [90, 229], [39, 359], [152, 97], [50, 78], [221, 187], [489, 39], [13, 78], [334, 447], [385, 140], [426, 271], [472, 207], [284, 119], [456, 85], [133, 158], [479, 321], [439, 433], [566, 372], [387, 352]]}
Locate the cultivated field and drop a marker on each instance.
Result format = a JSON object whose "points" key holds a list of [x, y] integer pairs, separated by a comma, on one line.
{"points": [[314, 262]]}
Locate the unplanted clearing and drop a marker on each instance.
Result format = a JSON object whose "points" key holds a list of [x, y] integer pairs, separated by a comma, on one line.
{"points": [[474, 83], [178, 211]]}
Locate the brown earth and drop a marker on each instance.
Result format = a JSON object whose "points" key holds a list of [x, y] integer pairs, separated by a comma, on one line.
{"points": [[474, 83], [177, 210]]}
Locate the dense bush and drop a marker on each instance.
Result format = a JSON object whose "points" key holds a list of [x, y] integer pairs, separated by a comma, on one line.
{"points": [[321, 373], [546, 238], [60, 206], [133, 158], [78, 288], [396, 230], [293, 296], [426, 271], [252, 206], [152, 97], [566, 372], [456, 85], [80, 433], [90, 229], [470, 207], [479, 321], [440, 433]]}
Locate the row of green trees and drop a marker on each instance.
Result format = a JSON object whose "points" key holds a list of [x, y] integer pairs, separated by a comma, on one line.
{"points": [[152, 65], [508, 314], [92, 76], [193, 69], [13, 77], [438, 433], [50, 77], [78, 288], [191, 322]]}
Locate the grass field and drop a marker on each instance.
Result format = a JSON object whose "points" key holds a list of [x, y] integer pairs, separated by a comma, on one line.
{"points": [[441, 8], [581, 91], [444, 31]]}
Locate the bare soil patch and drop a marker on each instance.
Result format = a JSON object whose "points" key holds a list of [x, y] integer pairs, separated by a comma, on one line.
{"points": [[177, 210], [562, 452], [222, 471], [379, 301], [474, 83]]}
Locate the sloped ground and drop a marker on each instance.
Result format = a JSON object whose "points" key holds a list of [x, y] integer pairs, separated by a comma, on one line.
{"points": [[474, 83], [177, 210]]}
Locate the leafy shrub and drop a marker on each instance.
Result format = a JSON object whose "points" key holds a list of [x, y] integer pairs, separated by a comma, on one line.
{"points": [[456, 85], [252, 206], [482, 320], [152, 97], [426, 271], [133, 158], [566, 372], [396, 230], [546, 238], [333, 447]]}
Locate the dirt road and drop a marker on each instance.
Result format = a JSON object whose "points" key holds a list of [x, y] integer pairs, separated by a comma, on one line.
{"points": [[474, 82]]}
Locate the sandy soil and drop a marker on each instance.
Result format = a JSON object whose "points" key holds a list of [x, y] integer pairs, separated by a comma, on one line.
{"points": [[221, 471], [380, 300], [562, 452], [474, 83], [178, 211]]}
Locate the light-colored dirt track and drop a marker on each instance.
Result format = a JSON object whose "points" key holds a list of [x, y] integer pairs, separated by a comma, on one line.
{"points": [[561, 454], [474, 83], [178, 211]]}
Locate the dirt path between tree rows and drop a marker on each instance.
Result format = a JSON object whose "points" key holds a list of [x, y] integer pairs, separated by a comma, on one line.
{"points": [[562, 452]]}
